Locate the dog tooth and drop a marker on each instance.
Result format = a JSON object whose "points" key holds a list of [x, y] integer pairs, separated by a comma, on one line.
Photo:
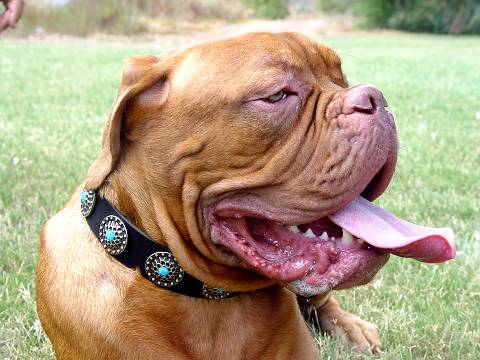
{"points": [[294, 229], [347, 238], [332, 238], [309, 233], [324, 236]]}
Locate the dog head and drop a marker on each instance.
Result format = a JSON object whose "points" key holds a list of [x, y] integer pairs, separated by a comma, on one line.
{"points": [[235, 153]]}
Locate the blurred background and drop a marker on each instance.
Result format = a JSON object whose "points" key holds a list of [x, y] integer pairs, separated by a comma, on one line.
{"points": [[59, 73], [126, 17]]}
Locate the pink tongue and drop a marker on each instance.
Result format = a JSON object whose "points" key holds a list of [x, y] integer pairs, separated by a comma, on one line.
{"points": [[383, 230]]}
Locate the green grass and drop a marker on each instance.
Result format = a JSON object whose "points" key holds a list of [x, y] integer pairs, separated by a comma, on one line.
{"points": [[54, 98]]}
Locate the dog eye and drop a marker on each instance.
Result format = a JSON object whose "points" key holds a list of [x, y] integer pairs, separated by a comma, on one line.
{"points": [[278, 96]]}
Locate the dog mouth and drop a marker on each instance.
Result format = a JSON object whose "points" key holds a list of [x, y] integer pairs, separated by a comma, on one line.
{"points": [[341, 250], [334, 243]]}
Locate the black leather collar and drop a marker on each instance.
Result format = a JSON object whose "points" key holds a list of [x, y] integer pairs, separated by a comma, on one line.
{"points": [[133, 248]]}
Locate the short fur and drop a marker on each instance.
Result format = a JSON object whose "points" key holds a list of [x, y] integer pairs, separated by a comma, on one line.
{"points": [[167, 140]]}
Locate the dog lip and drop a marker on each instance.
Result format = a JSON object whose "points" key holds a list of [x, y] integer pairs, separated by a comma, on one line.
{"points": [[226, 209], [380, 181], [251, 205], [340, 275]]}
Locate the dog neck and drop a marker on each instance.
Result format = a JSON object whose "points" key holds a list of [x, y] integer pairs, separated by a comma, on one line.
{"points": [[131, 247], [145, 207]]}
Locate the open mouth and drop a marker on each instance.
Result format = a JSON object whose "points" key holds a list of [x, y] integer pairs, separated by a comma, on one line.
{"points": [[341, 250]]}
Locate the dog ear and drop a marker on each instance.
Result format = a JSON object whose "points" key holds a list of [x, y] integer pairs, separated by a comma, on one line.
{"points": [[143, 80]]}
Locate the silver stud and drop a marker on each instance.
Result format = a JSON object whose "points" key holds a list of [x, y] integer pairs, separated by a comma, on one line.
{"points": [[162, 269], [87, 202], [214, 293], [113, 235]]}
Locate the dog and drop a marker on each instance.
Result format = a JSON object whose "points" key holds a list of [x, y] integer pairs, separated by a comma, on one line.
{"points": [[249, 162]]}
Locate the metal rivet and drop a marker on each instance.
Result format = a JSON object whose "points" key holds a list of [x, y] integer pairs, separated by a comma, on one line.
{"points": [[113, 234], [166, 271], [87, 202], [214, 293]]}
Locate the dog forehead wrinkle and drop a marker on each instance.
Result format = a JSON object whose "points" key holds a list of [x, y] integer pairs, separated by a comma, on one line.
{"points": [[331, 58], [283, 59], [219, 65]]}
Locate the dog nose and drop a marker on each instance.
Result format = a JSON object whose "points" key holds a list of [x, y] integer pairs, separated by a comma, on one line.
{"points": [[363, 99]]}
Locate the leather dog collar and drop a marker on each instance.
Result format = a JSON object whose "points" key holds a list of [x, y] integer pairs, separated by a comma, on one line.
{"points": [[129, 245]]}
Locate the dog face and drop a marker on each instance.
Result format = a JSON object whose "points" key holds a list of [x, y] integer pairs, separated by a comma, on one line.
{"points": [[253, 142]]}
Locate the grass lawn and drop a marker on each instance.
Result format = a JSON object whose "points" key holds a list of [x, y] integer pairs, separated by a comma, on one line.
{"points": [[54, 98]]}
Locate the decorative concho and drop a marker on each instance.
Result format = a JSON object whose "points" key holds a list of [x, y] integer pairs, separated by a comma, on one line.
{"points": [[162, 269], [214, 293], [87, 202], [113, 234]]}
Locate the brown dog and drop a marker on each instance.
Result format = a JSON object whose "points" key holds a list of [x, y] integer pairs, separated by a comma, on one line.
{"points": [[218, 152]]}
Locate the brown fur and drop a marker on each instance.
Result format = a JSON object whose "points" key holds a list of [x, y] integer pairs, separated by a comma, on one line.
{"points": [[162, 156]]}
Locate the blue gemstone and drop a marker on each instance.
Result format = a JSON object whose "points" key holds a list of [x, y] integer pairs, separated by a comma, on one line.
{"points": [[84, 196], [110, 235], [163, 271]]}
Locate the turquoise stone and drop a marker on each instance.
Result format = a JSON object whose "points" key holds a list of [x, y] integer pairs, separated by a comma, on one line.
{"points": [[110, 235], [84, 196], [163, 271]]}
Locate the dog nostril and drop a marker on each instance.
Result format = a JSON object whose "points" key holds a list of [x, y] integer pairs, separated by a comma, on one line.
{"points": [[368, 107], [362, 99]]}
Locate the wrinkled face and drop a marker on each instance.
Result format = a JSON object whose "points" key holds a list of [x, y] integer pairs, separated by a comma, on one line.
{"points": [[275, 141]]}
